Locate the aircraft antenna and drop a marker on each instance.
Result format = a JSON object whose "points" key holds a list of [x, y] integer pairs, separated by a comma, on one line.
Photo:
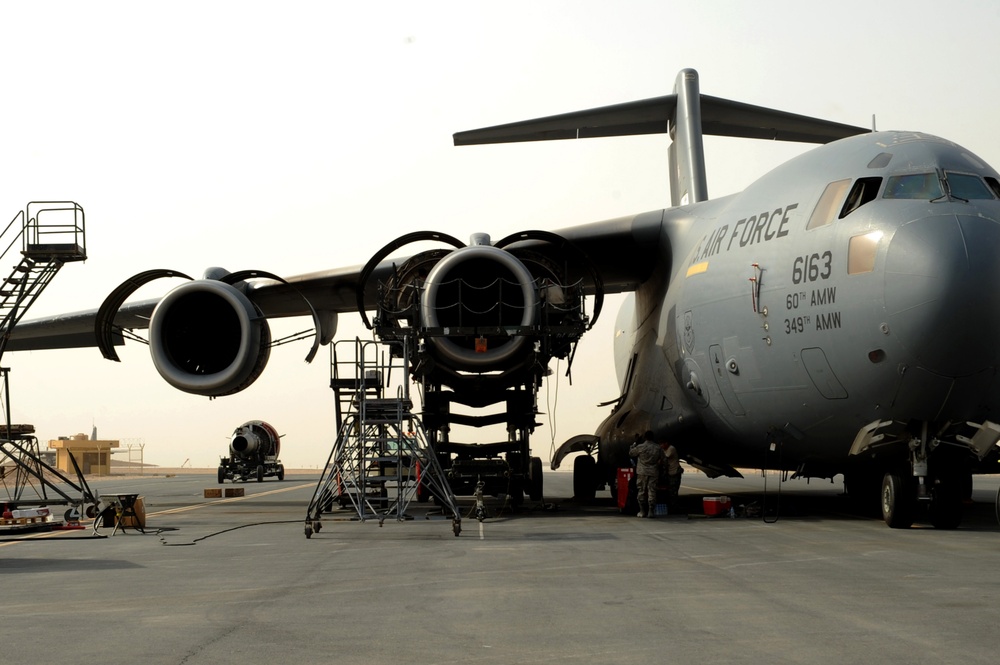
{"points": [[873, 123]]}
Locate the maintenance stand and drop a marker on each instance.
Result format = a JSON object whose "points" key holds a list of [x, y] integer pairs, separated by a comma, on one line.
{"points": [[49, 234], [382, 458]]}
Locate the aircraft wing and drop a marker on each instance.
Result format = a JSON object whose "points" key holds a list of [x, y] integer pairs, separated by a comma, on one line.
{"points": [[75, 329], [329, 291], [622, 252]]}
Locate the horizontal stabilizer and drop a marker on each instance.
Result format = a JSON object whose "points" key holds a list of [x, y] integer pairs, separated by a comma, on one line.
{"points": [[719, 117]]}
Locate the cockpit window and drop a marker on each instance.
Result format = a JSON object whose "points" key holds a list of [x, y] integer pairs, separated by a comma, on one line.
{"points": [[967, 187], [863, 191], [994, 185], [914, 186], [829, 203]]}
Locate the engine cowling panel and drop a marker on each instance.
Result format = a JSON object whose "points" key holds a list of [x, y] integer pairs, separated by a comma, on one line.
{"points": [[207, 338]]}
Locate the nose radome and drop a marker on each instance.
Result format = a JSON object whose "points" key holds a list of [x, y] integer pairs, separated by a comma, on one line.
{"points": [[942, 292]]}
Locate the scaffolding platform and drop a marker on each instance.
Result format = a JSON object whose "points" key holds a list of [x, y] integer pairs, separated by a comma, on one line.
{"points": [[381, 459], [42, 238]]}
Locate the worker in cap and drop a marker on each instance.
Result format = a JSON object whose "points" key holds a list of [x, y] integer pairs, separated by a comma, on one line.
{"points": [[649, 459]]}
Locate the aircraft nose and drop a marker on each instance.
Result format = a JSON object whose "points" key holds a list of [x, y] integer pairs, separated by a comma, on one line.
{"points": [[942, 292]]}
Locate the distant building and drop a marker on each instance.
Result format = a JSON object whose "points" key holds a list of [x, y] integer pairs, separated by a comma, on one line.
{"points": [[93, 455]]}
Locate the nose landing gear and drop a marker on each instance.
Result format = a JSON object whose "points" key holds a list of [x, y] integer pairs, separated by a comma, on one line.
{"points": [[940, 487]]}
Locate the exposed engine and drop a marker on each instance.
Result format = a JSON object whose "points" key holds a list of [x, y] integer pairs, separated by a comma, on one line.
{"points": [[483, 322], [253, 453]]}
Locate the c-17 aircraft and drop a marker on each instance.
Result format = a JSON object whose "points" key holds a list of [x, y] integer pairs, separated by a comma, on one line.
{"points": [[839, 316]]}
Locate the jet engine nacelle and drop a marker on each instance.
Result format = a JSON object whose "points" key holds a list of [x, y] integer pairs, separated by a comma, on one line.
{"points": [[207, 338], [479, 287], [255, 439]]}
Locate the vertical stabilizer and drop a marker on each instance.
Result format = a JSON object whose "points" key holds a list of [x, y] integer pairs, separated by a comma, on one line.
{"points": [[685, 115], [687, 152]]}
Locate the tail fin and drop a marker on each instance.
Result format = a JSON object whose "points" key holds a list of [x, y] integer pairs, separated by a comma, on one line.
{"points": [[685, 115], [686, 153]]}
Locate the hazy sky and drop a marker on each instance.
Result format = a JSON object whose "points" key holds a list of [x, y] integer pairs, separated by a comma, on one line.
{"points": [[298, 136]]}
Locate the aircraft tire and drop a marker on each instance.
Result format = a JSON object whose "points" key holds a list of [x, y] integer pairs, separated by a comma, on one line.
{"points": [[584, 478], [260, 473], [281, 472], [897, 501], [516, 496], [863, 487], [946, 504], [222, 474], [535, 479], [996, 506]]}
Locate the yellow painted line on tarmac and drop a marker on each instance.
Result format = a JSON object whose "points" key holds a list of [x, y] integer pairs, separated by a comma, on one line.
{"points": [[701, 489], [60, 532], [25, 536], [232, 499]]}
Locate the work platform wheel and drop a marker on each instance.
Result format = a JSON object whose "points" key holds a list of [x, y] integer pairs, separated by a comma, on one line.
{"points": [[313, 527], [456, 526]]}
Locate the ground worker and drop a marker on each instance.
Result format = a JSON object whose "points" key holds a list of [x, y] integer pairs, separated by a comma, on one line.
{"points": [[649, 460], [674, 471]]}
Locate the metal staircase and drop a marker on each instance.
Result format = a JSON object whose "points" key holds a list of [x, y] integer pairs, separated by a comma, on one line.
{"points": [[49, 235], [43, 237], [381, 459]]}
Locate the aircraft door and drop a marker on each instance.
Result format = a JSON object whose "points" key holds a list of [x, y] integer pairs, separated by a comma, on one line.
{"points": [[819, 370], [722, 368]]}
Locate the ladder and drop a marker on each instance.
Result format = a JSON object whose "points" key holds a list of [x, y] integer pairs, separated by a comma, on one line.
{"points": [[43, 237], [49, 234], [381, 459]]}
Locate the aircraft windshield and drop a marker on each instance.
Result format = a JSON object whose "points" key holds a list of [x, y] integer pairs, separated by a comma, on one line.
{"points": [[968, 187], [914, 186]]}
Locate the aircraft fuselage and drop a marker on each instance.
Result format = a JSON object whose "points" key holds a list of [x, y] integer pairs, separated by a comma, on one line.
{"points": [[856, 283]]}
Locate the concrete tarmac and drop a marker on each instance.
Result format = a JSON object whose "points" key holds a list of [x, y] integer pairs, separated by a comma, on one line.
{"points": [[218, 581]]}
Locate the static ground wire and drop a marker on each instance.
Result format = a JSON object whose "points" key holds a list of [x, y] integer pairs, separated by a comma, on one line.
{"points": [[551, 403], [217, 533], [777, 509]]}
